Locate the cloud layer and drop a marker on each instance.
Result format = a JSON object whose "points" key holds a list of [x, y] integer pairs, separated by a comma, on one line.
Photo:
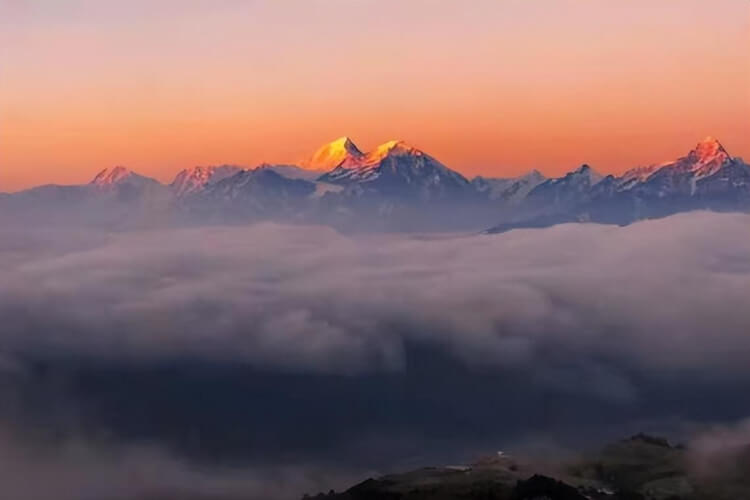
{"points": [[672, 294], [81, 470], [388, 347]]}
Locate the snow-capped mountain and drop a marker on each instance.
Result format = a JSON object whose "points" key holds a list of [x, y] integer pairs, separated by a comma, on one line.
{"points": [[680, 176], [194, 179], [114, 197], [333, 154], [260, 181], [398, 170], [124, 185], [190, 181], [512, 190], [727, 188], [294, 171], [253, 193], [704, 160], [636, 176], [706, 178], [118, 183], [111, 178], [393, 187], [570, 189]]}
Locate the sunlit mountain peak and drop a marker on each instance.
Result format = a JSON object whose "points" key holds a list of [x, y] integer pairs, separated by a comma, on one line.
{"points": [[333, 154]]}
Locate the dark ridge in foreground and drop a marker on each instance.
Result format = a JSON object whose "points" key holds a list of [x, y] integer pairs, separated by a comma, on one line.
{"points": [[642, 467]]}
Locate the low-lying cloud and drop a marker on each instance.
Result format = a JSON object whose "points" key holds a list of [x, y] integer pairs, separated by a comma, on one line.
{"points": [[372, 348], [672, 294], [77, 469]]}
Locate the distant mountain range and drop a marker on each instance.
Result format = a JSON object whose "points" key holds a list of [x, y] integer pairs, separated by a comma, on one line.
{"points": [[394, 187], [706, 178]]}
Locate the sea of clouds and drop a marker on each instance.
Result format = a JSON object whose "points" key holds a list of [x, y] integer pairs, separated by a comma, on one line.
{"points": [[671, 293], [592, 312]]}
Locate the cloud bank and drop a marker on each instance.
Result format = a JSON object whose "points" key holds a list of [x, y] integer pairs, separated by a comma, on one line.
{"points": [[671, 293], [81, 470], [384, 345]]}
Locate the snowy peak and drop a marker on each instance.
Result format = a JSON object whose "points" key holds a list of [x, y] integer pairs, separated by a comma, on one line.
{"points": [[531, 176], [512, 189], [534, 176], [584, 172], [707, 158], [110, 178], [292, 171], [345, 154], [400, 171], [637, 174], [592, 174], [194, 179], [571, 189], [392, 148], [257, 190], [333, 154], [709, 149]]}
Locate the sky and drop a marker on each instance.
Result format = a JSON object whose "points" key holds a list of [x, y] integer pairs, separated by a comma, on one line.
{"points": [[488, 87]]}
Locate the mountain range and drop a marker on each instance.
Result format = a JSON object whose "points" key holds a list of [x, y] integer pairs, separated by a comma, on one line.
{"points": [[393, 187]]}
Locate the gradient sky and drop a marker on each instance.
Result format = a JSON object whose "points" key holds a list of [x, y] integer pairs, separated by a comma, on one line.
{"points": [[487, 86]]}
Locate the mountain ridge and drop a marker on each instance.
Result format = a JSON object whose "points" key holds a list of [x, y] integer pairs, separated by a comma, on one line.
{"points": [[396, 182]]}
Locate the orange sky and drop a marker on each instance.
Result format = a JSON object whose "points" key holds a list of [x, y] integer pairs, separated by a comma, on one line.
{"points": [[487, 86]]}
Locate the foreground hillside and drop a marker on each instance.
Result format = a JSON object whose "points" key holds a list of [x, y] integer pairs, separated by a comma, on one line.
{"points": [[638, 468]]}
